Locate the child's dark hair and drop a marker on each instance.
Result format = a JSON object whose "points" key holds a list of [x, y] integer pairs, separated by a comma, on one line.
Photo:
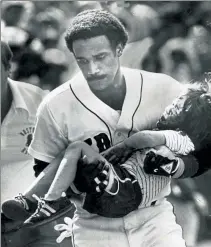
{"points": [[92, 23], [197, 115]]}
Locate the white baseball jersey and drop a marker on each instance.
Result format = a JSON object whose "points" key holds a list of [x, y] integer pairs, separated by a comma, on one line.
{"points": [[16, 134], [72, 112]]}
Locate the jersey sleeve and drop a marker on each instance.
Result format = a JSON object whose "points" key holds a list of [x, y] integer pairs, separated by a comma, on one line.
{"points": [[48, 140], [178, 142]]}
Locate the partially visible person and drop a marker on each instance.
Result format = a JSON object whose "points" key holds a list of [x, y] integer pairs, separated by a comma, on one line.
{"points": [[27, 52], [17, 13], [140, 21], [52, 75], [200, 40], [19, 103], [180, 59], [85, 5], [49, 25]]}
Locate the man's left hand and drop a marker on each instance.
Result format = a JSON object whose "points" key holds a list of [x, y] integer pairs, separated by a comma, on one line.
{"points": [[117, 154]]}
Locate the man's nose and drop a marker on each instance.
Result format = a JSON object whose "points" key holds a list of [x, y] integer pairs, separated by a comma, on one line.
{"points": [[93, 68]]}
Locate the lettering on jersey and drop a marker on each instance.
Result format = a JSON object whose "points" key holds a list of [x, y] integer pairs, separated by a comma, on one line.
{"points": [[102, 141], [27, 133]]}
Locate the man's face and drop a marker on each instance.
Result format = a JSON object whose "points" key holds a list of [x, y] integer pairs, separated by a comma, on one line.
{"points": [[173, 114], [97, 61]]}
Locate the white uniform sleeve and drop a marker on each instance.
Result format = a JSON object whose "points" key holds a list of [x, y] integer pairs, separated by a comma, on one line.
{"points": [[48, 140], [178, 142]]}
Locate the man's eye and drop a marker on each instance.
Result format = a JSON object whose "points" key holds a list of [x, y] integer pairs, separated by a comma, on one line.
{"points": [[101, 56], [82, 61]]}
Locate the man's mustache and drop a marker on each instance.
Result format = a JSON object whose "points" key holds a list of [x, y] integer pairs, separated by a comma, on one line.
{"points": [[95, 78]]}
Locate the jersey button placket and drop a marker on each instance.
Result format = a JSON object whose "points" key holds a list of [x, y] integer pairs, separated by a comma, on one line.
{"points": [[119, 137]]}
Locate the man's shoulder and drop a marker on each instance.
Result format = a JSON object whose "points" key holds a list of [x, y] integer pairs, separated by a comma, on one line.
{"points": [[62, 94], [157, 77], [161, 81], [152, 77]]}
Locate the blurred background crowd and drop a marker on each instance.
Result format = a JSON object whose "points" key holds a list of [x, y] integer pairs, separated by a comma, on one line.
{"points": [[168, 37]]}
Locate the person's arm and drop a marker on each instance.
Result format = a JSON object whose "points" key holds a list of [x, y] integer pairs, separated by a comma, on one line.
{"points": [[49, 138], [197, 163], [203, 158], [177, 142], [145, 139], [194, 164]]}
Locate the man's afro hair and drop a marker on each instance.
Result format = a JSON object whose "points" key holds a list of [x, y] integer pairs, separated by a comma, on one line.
{"points": [[92, 23]]}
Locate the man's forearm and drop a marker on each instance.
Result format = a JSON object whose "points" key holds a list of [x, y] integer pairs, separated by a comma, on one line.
{"points": [[203, 158], [145, 139], [196, 163], [188, 167]]}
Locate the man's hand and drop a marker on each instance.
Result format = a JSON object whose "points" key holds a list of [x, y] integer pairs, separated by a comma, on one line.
{"points": [[160, 162], [117, 154]]}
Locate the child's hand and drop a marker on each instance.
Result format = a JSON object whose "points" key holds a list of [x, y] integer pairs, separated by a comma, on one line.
{"points": [[117, 154]]}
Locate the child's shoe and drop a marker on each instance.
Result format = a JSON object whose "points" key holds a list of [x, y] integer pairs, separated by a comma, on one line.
{"points": [[18, 209], [47, 209]]}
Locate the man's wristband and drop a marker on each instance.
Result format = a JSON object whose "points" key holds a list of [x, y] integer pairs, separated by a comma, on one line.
{"points": [[180, 168]]}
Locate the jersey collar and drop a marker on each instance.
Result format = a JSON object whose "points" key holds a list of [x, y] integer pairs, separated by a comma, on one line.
{"points": [[84, 95]]}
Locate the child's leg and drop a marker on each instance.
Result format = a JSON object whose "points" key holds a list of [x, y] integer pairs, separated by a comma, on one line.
{"points": [[67, 169], [21, 207], [54, 201], [42, 183]]}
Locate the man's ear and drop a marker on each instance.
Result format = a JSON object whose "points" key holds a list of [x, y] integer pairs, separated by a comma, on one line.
{"points": [[119, 50]]}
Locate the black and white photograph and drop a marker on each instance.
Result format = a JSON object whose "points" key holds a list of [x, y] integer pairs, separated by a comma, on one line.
{"points": [[105, 123]]}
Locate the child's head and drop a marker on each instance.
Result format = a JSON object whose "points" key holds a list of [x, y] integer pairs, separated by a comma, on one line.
{"points": [[191, 113]]}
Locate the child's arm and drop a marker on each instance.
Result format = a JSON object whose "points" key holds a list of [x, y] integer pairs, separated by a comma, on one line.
{"points": [[145, 139], [176, 141]]}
